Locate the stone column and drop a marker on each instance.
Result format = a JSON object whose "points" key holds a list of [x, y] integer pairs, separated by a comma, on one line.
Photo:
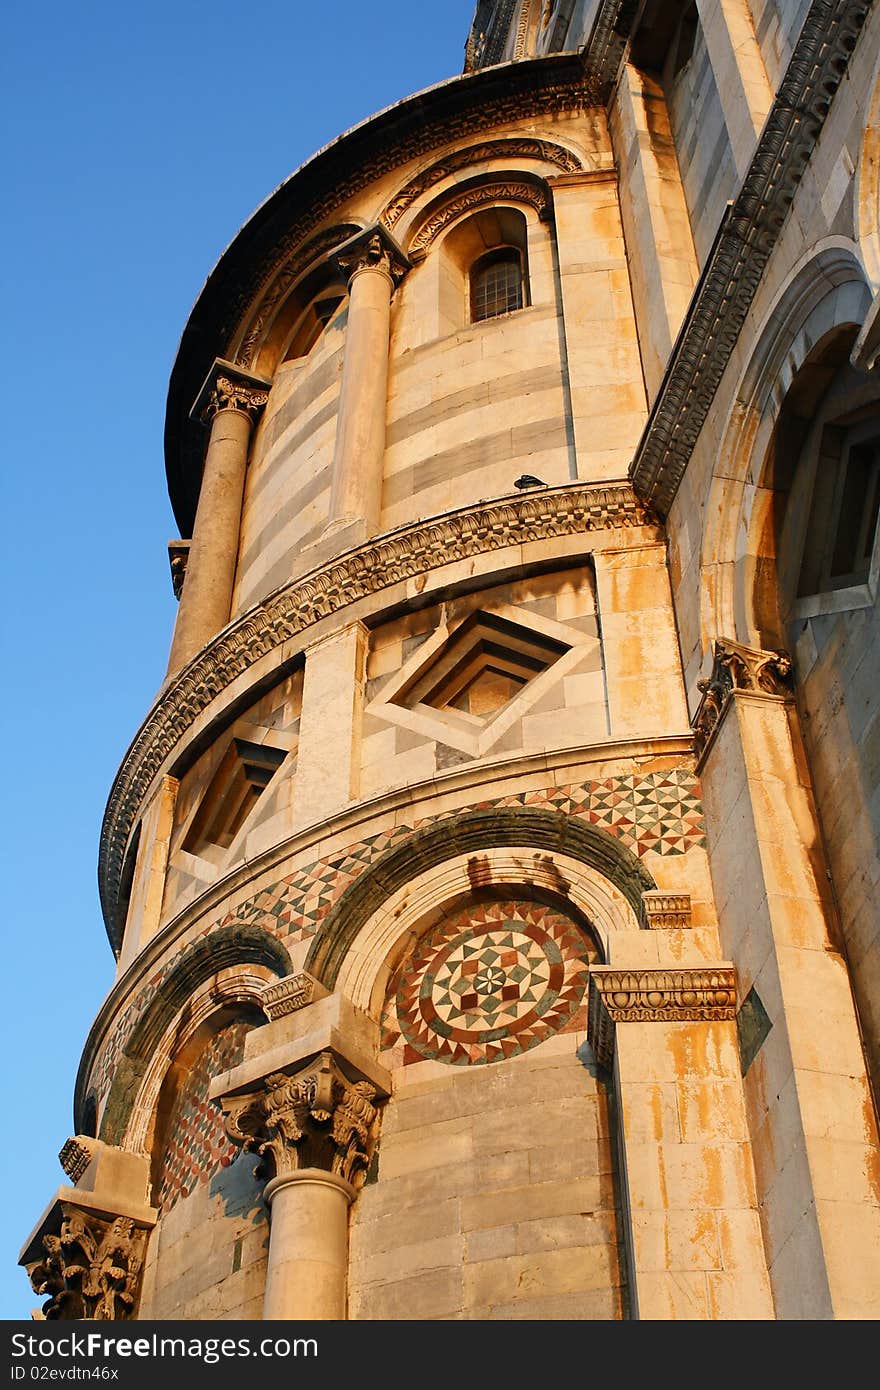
{"points": [[695, 1246], [372, 266], [740, 75], [314, 1119], [813, 1126], [230, 401]]}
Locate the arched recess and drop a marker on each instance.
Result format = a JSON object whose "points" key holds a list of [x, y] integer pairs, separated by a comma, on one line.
{"points": [[296, 283], [471, 835], [825, 298], [202, 965]]}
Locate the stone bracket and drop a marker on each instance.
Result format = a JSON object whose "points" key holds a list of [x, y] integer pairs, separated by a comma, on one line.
{"points": [[294, 992], [737, 668], [687, 994], [666, 910]]}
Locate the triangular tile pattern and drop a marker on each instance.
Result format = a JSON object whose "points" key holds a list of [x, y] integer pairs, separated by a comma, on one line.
{"points": [[659, 813], [489, 982]]}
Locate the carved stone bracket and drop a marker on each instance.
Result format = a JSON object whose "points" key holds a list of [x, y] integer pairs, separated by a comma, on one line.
{"points": [[227, 387], [686, 994], [373, 249], [76, 1155], [737, 668], [178, 557], [290, 994], [666, 910], [315, 1118]]}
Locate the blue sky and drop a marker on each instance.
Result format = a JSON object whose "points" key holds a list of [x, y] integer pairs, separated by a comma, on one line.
{"points": [[137, 139]]}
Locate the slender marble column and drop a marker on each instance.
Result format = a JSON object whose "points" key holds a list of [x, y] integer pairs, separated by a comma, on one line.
{"points": [[308, 1246], [373, 267], [231, 402]]}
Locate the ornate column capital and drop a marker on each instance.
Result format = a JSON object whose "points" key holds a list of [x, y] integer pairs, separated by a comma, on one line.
{"points": [[738, 668], [90, 1267], [372, 249], [316, 1117], [227, 387], [687, 994], [178, 558]]}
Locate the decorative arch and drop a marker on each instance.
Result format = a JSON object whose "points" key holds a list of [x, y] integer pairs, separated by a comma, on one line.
{"points": [[471, 835], [511, 151], [825, 294], [485, 190], [194, 985]]}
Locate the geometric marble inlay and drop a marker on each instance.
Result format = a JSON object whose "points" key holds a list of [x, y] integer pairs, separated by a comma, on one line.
{"points": [[488, 982]]}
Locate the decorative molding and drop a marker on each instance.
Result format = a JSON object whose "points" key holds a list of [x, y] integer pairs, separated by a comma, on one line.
{"points": [[736, 667], [289, 995], [666, 910], [492, 192], [411, 551], [608, 38], [522, 29], [544, 151], [687, 994], [485, 47], [742, 248], [372, 249], [91, 1269], [316, 1118], [283, 280], [227, 387], [76, 1155], [178, 558]]}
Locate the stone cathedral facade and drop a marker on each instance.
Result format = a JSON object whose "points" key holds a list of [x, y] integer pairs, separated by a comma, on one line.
{"points": [[494, 879]]}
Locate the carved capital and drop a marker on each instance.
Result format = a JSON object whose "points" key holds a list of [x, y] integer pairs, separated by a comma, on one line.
{"points": [[738, 668], [292, 993], [316, 1118], [227, 387], [375, 250], [689, 994], [178, 558], [666, 910], [91, 1268]]}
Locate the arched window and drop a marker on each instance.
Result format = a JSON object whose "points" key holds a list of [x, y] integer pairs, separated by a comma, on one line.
{"points": [[844, 509], [311, 323], [496, 284]]}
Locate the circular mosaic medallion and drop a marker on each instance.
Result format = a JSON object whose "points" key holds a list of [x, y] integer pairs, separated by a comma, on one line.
{"points": [[489, 982]]}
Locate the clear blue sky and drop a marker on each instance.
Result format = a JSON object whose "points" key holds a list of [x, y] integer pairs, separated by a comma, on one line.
{"points": [[137, 139]]}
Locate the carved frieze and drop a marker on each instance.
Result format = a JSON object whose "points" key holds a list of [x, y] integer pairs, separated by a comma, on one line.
{"points": [[736, 667], [666, 910], [91, 1269], [569, 510], [317, 1118], [687, 994]]}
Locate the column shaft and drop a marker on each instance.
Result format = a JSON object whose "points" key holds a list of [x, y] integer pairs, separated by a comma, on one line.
{"points": [[358, 463], [308, 1247], [207, 591]]}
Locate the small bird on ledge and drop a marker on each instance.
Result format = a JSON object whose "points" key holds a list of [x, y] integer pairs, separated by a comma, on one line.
{"points": [[527, 480]]}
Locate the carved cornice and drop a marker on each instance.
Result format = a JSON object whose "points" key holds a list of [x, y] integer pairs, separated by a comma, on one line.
{"points": [[227, 387], [291, 994], [372, 249], [666, 910], [543, 151], [688, 994], [505, 190], [316, 1118], [452, 113], [403, 554], [608, 38], [178, 558], [91, 1269], [743, 246], [735, 667]]}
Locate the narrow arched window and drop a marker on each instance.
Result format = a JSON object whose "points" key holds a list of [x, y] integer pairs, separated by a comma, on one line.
{"points": [[496, 284]]}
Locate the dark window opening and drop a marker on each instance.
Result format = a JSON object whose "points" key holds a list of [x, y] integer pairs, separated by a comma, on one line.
{"points": [[239, 782], [496, 285], [844, 512]]}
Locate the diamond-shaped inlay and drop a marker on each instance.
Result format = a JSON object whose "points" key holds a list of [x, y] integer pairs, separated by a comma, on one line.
{"points": [[488, 982]]}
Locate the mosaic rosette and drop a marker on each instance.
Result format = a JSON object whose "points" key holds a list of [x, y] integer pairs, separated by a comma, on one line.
{"points": [[489, 982]]}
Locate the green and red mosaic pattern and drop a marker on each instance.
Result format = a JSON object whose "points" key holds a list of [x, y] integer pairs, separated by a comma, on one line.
{"points": [[196, 1142], [657, 812], [488, 982]]}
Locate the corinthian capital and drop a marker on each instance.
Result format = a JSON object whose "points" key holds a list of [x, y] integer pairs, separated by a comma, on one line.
{"points": [[735, 667], [372, 249], [90, 1269], [227, 387], [316, 1118]]}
